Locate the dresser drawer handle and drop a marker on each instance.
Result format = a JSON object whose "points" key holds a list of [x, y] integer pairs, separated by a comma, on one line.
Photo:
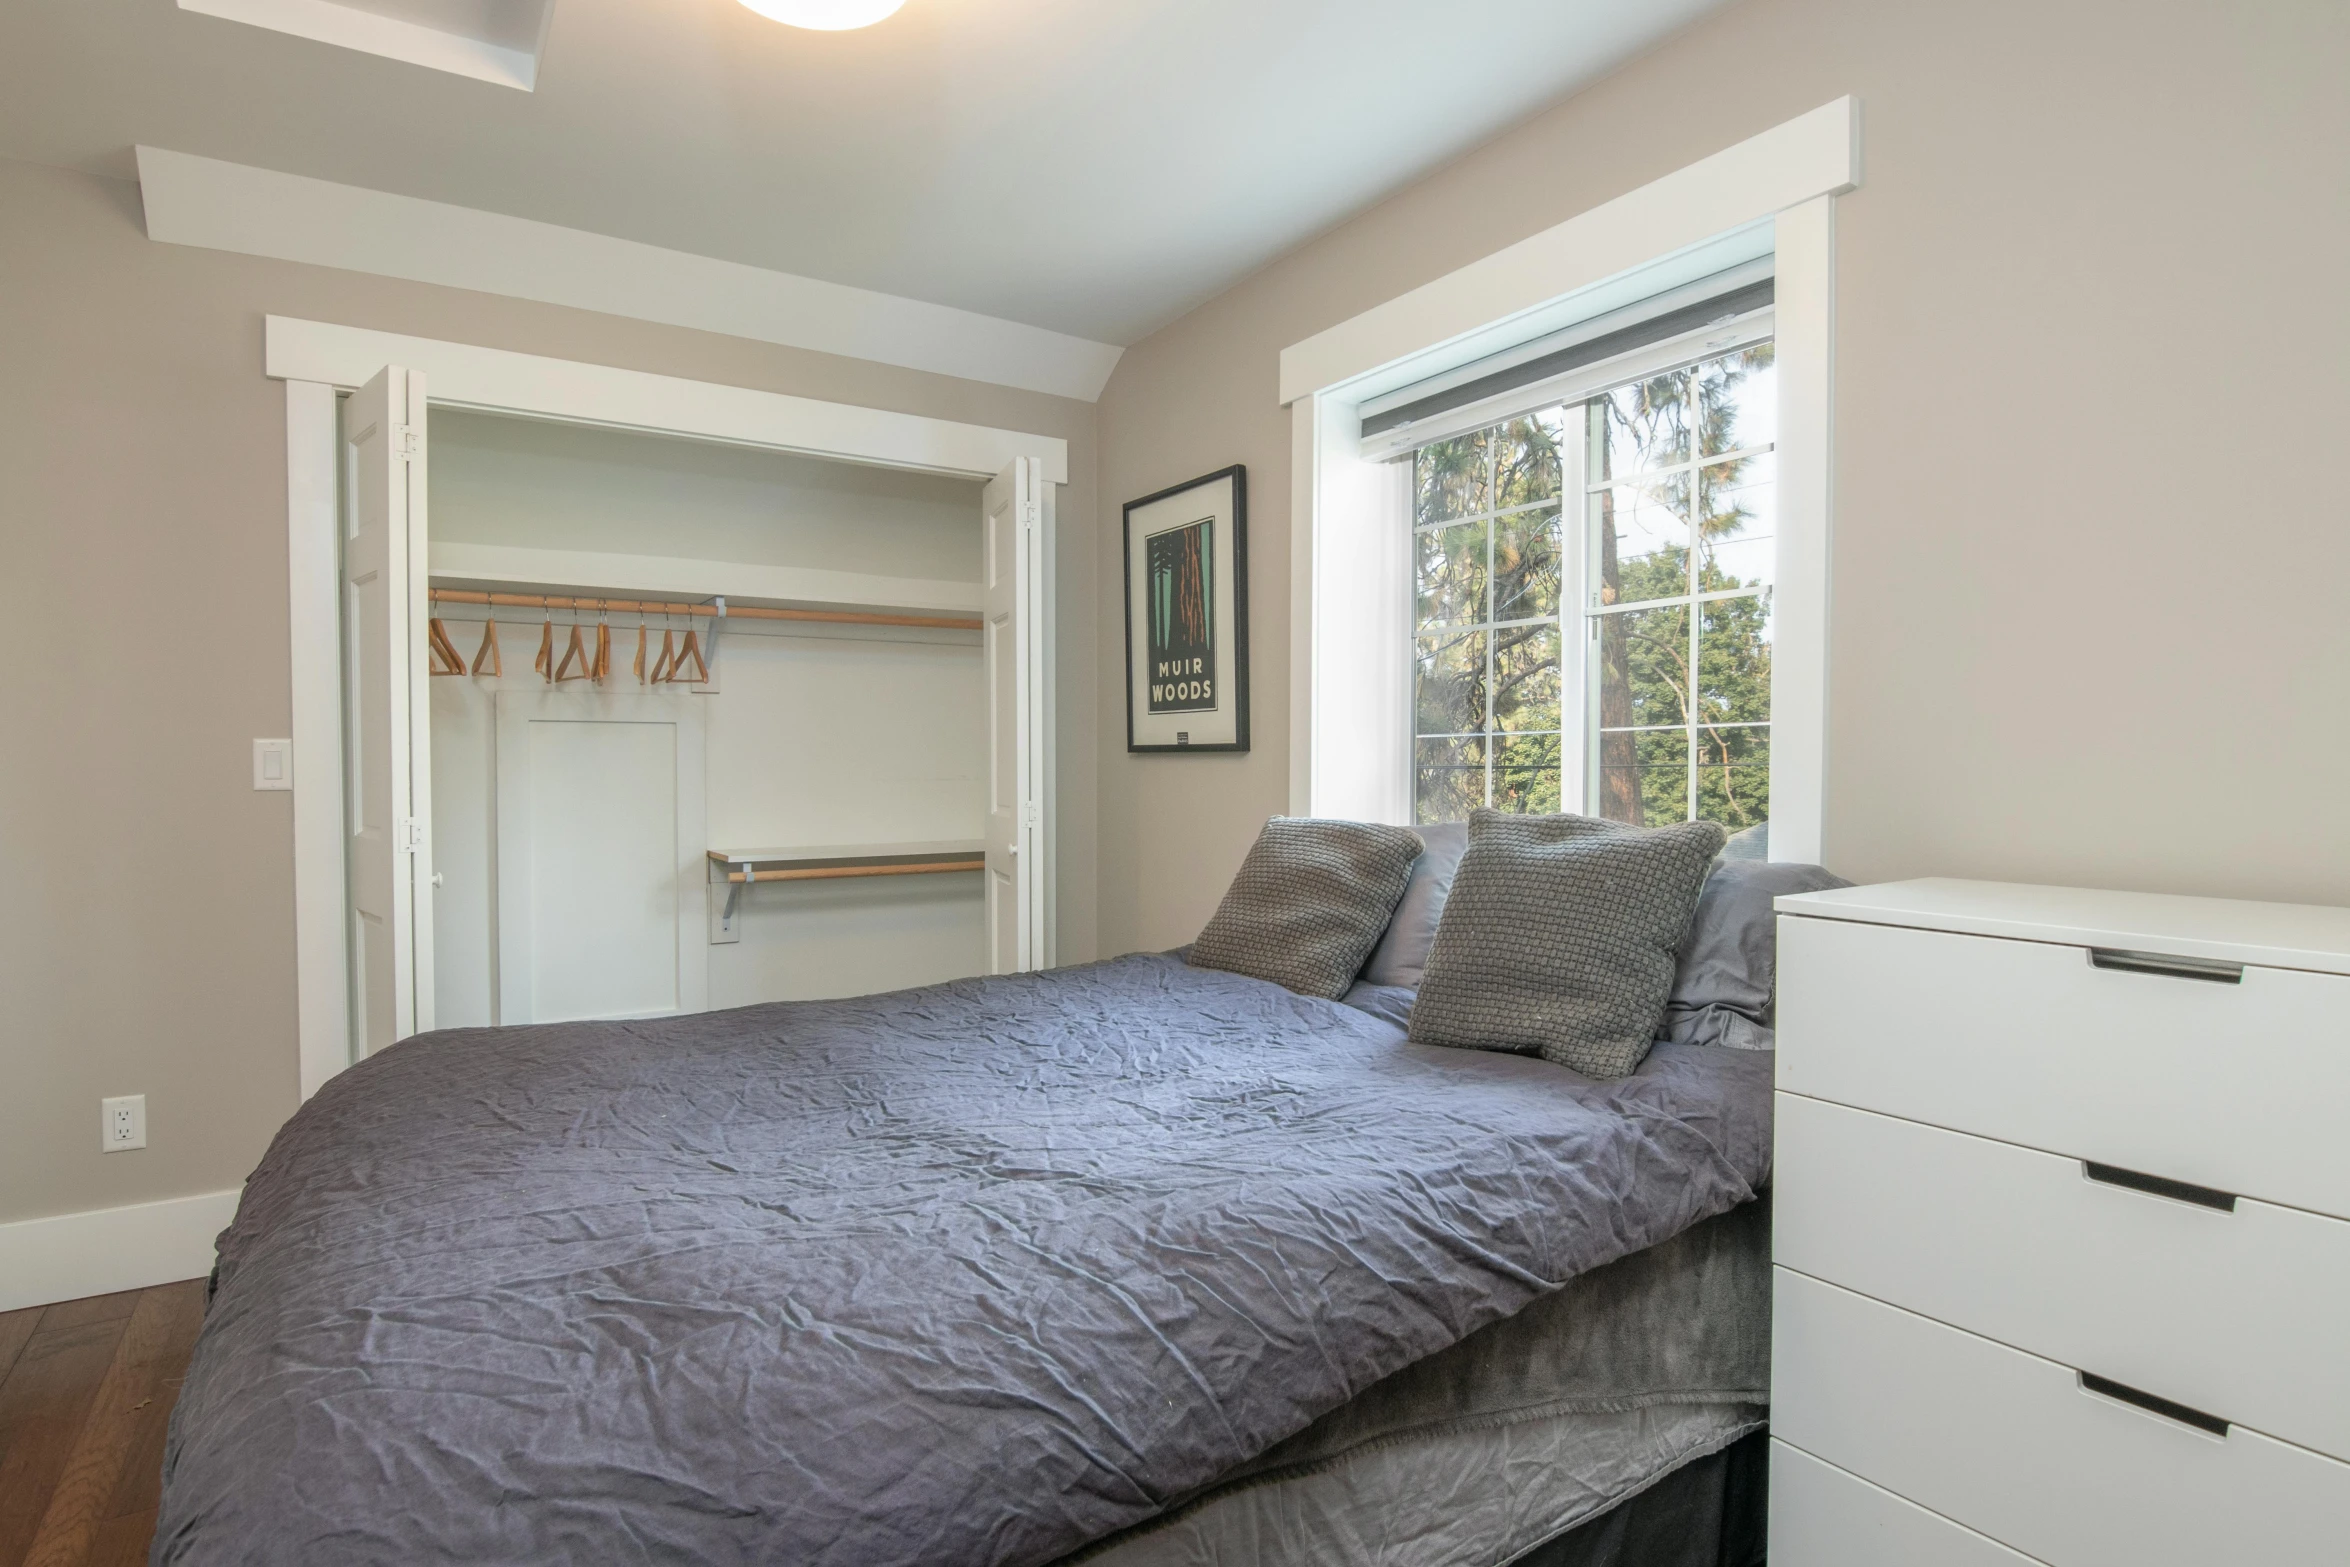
{"points": [[2162, 963], [2122, 1392], [2159, 1186]]}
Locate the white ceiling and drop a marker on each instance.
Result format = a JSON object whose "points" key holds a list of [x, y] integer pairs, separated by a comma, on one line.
{"points": [[1093, 166]]}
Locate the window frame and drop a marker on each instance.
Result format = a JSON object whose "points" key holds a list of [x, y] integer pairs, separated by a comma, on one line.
{"points": [[1772, 194], [1579, 733]]}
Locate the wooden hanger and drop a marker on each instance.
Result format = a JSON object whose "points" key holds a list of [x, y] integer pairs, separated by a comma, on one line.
{"points": [[640, 652], [603, 664], [441, 655], [691, 648], [489, 657], [545, 662], [574, 651], [668, 658]]}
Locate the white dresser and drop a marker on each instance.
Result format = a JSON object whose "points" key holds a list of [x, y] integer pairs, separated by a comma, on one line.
{"points": [[2062, 1230]]}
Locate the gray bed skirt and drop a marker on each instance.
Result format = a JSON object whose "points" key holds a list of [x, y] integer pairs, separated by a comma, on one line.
{"points": [[1514, 1437]]}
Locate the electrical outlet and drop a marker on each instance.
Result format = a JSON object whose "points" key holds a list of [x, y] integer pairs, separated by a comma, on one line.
{"points": [[122, 1123]]}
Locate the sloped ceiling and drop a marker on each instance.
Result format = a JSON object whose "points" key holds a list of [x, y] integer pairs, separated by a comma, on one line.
{"points": [[1093, 166]]}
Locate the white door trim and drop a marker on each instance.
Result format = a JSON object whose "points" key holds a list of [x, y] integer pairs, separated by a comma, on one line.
{"points": [[318, 359], [497, 380]]}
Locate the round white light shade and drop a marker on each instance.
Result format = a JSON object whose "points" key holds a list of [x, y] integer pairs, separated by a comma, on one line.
{"points": [[830, 16]]}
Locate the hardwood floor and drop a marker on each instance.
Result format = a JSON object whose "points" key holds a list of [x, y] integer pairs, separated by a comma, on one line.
{"points": [[86, 1389]]}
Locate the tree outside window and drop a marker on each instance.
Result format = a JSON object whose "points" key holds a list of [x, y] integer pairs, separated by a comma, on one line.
{"points": [[1675, 531]]}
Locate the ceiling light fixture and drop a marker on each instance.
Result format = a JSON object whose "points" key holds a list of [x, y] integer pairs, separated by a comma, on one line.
{"points": [[826, 16]]}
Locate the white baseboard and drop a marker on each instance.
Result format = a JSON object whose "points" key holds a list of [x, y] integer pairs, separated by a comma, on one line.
{"points": [[72, 1255]]}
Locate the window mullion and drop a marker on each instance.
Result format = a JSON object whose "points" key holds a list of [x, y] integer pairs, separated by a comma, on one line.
{"points": [[1577, 744], [1694, 415], [1492, 507]]}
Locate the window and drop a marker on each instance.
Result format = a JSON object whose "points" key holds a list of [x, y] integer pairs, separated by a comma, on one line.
{"points": [[1591, 619]]}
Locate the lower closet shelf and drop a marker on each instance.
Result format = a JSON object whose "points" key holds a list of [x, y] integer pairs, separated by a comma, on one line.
{"points": [[827, 862]]}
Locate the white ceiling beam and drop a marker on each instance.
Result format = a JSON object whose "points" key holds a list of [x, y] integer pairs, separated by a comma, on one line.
{"points": [[259, 212], [391, 37]]}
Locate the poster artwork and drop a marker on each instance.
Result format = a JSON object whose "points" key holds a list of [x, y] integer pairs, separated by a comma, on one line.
{"points": [[1180, 573]]}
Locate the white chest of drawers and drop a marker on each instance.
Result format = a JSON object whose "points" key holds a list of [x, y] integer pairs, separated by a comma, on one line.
{"points": [[2061, 1230]]}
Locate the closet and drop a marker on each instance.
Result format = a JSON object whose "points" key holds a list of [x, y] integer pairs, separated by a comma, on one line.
{"points": [[643, 722]]}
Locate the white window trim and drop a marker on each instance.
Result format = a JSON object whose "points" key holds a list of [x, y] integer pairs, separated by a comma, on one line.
{"points": [[317, 360], [1349, 679]]}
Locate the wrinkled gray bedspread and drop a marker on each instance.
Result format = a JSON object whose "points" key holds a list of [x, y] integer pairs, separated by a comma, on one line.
{"points": [[976, 1273]]}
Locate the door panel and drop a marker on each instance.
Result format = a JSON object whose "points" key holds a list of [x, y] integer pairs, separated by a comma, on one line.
{"points": [[384, 609], [1015, 902], [600, 856]]}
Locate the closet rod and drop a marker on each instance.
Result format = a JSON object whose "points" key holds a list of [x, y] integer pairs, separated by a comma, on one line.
{"points": [[838, 617], [834, 872]]}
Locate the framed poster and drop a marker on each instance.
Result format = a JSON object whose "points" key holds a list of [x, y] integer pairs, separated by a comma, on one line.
{"points": [[1187, 616]]}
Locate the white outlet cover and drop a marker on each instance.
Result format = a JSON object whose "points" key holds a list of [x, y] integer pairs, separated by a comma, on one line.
{"points": [[122, 1123]]}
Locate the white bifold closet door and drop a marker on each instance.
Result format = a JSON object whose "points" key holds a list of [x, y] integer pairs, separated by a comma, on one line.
{"points": [[390, 764], [1015, 526]]}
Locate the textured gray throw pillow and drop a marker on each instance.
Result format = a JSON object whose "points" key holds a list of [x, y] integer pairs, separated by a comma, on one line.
{"points": [[1309, 903], [1559, 937]]}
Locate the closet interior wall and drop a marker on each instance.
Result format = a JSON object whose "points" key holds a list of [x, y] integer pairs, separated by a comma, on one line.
{"points": [[814, 734]]}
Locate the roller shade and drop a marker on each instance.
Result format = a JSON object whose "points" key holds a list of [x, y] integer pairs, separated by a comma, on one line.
{"points": [[1532, 374]]}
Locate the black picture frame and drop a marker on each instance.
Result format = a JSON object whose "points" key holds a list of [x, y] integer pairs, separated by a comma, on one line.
{"points": [[1237, 684]]}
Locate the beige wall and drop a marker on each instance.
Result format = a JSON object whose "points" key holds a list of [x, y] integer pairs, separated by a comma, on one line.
{"points": [[146, 902], [2090, 551]]}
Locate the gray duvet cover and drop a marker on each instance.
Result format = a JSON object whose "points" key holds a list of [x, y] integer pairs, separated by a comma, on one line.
{"points": [[1525, 1429], [976, 1273]]}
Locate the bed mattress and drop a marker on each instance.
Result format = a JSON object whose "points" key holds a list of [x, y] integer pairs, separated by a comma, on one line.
{"points": [[979, 1273]]}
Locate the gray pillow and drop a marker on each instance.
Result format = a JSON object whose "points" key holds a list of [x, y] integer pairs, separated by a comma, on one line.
{"points": [[1309, 903], [1729, 964], [1387, 1003], [1559, 937], [1402, 954]]}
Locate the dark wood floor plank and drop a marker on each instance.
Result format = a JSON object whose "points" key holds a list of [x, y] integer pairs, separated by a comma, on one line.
{"points": [[141, 1487], [122, 1542], [16, 1330], [43, 1403], [151, 1351], [96, 1308]]}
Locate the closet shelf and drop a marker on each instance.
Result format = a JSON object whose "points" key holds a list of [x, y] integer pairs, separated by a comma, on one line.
{"points": [[839, 861], [664, 576], [630, 606]]}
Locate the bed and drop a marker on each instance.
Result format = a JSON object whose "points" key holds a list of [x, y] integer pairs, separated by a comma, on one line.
{"points": [[1133, 1263]]}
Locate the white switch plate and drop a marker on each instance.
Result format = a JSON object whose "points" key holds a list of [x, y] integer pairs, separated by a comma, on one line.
{"points": [[122, 1123], [273, 764]]}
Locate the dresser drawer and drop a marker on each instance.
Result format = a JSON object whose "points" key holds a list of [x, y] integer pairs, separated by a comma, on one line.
{"points": [[1823, 1517], [2236, 1313], [2012, 1446], [2238, 1086]]}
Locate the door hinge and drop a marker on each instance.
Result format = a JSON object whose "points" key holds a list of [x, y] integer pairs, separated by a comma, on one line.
{"points": [[1033, 814], [405, 442], [1030, 512], [411, 836]]}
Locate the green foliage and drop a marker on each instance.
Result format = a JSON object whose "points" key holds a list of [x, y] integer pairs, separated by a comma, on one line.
{"points": [[1487, 698]]}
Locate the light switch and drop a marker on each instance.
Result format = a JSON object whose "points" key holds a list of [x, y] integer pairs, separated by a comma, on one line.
{"points": [[273, 764]]}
